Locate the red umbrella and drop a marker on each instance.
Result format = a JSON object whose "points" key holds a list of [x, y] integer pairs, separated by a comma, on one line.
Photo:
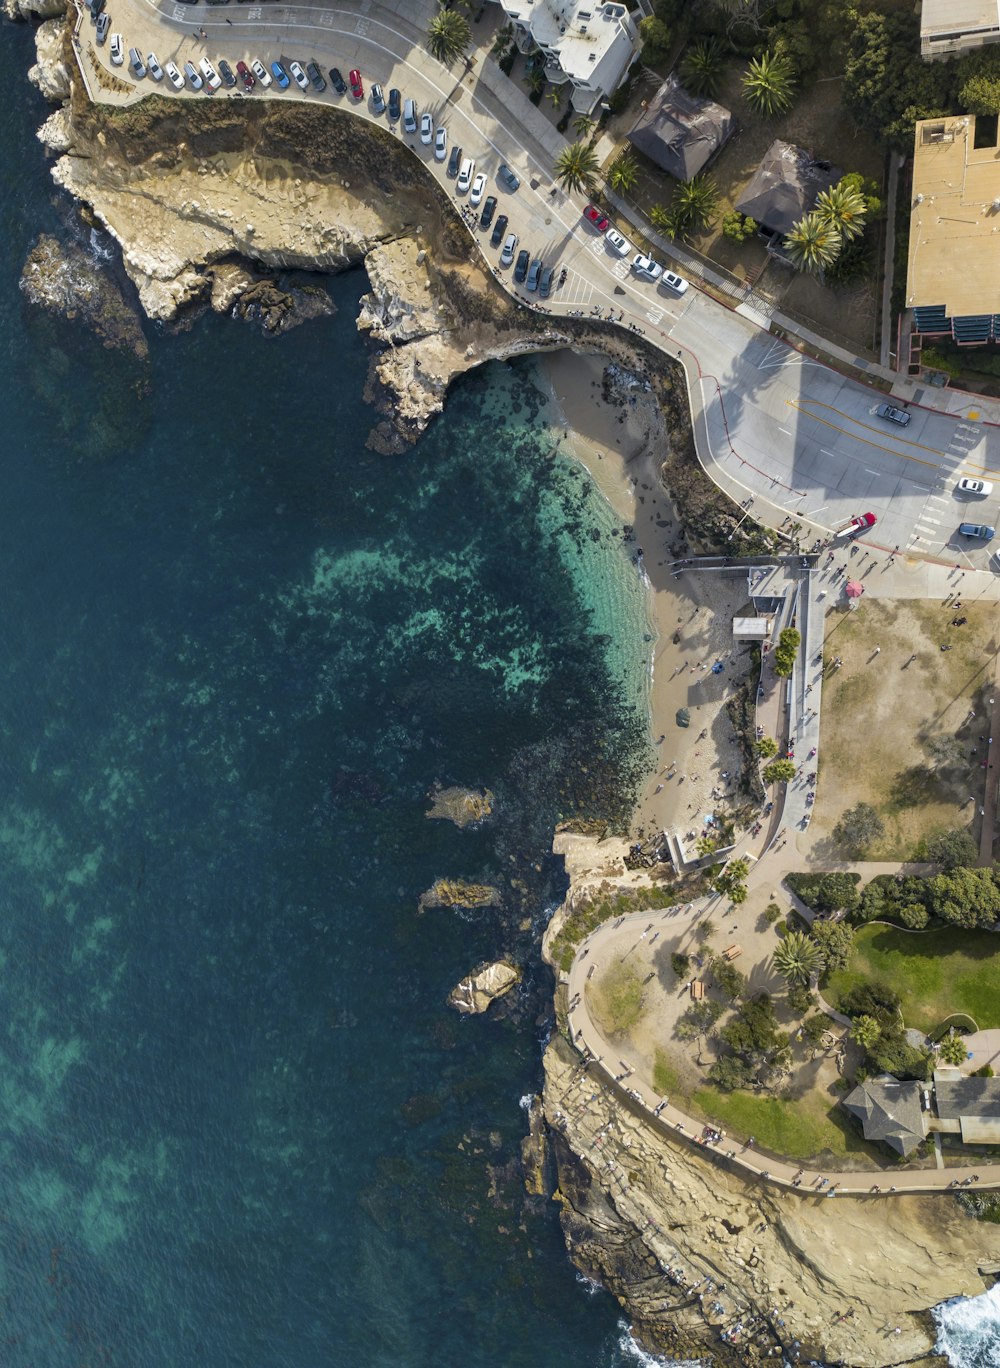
{"points": [[854, 589]]}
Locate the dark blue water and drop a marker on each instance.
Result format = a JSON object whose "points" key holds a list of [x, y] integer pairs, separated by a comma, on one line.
{"points": [[238, 1125]]}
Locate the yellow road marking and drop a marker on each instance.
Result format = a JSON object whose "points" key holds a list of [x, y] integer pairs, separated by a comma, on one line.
{"points": [[879, 446]]}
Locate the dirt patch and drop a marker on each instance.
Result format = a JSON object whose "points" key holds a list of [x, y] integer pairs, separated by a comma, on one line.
{"points": [[901, 726]]}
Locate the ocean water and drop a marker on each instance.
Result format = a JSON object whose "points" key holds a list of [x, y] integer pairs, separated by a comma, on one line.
{"points": [[238, 1124]]}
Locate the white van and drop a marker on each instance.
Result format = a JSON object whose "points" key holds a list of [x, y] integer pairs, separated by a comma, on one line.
{"points": [[212, 80], [409, 116], [465, 175]]}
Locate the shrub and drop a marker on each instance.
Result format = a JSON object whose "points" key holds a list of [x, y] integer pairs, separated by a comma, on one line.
{"points": [[858, 829], [737, 227], [680, 964], [771, 913], [914, 916], [786, 651]]}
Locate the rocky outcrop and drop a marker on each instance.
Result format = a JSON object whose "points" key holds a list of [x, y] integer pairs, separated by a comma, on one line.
{"points": [[31, 9], [459, 893], [464, 807], [51, 72], [484, 986], [61, 278]]}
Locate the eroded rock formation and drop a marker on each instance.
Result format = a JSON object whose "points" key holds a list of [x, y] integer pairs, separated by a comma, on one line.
{"points": [[480, 989]]}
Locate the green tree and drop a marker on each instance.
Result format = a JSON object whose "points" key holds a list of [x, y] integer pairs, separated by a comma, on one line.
{"points": [[668, 220], [866, 1032], [836, 940], [980, 95], [624, 172], [859, 828], [698, 1019], [701, 69], [583, 126], [696, 201], [843, 207], [815, 1028], [769, 83], [706, 845], [835, 891], [771, 913], [800, 999], [656, 39], [952, 849], [798, 958], [448, 35], [729, 1072], [680, 963], [966, 897], [873, 998], [814, 244], [914, 916], [705, 930], [778, 772], [555, 96], [885, 90], [728, 978], [785, 652], [766, 747], [737, 227], [953, 1049], [577, 167], [503, 42]]}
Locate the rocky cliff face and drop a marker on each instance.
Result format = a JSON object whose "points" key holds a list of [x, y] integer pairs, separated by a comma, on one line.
{"points": [[706, 1262]]}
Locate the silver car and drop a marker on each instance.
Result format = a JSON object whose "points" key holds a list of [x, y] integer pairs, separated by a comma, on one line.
{"points": [[509, 248], [155, 70], [426, 129]]}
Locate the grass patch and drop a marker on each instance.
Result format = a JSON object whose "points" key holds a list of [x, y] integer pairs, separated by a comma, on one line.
{"points": [[589, 915], [935, 973], [616, 1000], [799, 1128], [666, 1079]]}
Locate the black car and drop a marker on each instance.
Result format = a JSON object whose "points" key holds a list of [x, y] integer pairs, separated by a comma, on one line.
{"points": [[315, 77], [499, 228], [521, 269], [454, 161], [337, 81], [395, 105], [226, 72], [507, 178], [378, 100], [545, 283], [95, 9], [489, 209]]}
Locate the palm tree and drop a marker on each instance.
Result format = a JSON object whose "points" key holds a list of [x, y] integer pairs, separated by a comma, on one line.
{"points": [[672, 222], [953, 1049], [798, 958], [697, 201], [844, 208], [535, 77], [503, 42], [702, 67], [583, 126], [769, 83], [865, 1032], [813, 244], [624, 172], [448, 35], [577, 167], [555, 96]]}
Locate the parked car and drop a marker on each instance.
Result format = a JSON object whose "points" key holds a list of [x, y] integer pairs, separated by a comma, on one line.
{"points": [[261, 72], [646, 267], [891, 414], [979, 530], [980, 488], [454, 161], [466, 172], [298, 75], [316, 79], [409, 116], [337, 81], [670, 280], [378, 100], [616, 242], [357, 86], [103, 24], [212, 80], [499, 228], [245, 75], [280, 75], [194, 80], [395, 105], [441, 144], [593, 215], [534, 274], [117, 49], [174, 76], [521, 267], [489, 209], [509, 248], [96, 10], [426, 129], [545, 283], [478, 190], [153, 67], [507, 178], [226, 72], [136, 64]]}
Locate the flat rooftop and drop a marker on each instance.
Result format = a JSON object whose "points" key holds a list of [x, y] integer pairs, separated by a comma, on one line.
{"points": [[954, 254], [953, 17]]}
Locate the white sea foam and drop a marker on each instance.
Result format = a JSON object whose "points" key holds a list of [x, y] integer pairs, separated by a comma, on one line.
{"points": [[100, 247], [590, 1287], [633, 1353], [526, 1101], [969, 1330]]}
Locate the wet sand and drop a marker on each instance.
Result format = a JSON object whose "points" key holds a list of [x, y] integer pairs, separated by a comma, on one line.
{"points": [[619, 443]]}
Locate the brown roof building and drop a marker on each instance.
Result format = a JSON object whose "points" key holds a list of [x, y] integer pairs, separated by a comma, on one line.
{"points": [[681, 132]]}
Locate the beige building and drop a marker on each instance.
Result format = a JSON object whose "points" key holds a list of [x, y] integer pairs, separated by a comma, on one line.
{"points": [[950, 26], [953, 264], [591, 45]]}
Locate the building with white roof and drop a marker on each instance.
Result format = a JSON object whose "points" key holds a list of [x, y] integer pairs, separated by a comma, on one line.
{"points": [[954, 26], [590, 45]]}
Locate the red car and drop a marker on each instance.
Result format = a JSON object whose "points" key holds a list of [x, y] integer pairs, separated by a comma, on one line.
{"points": [[245, 75], [593, 215], [864, 521], [357, 89]]}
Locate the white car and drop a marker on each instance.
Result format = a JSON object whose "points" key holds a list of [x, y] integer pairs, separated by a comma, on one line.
{"points": [[191, 72], [298, 75], [478, 187], [426, 129], [212, 79], [261, 72], [117, 49], [509, 248], [465, 175], [981, 488], [153, 67], [671, 281], [616, 242], [174, 76], [646, 267]]}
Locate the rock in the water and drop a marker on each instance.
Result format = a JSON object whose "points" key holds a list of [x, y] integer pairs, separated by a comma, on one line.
{"points": [[483, 986], [459, 893], [465, 807], [63, 279]]}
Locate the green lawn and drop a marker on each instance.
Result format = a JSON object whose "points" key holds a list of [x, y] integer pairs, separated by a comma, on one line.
{"points": [[935, 973], [802, 1128]]}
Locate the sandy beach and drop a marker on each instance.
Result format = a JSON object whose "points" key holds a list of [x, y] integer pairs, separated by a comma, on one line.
{"points": [[619, 442]]}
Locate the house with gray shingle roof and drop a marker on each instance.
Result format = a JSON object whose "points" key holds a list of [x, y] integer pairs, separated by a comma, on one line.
{"points": [[889, 1111]]}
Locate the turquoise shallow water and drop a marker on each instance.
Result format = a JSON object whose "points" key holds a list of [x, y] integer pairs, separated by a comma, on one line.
{"points": [[238, 1124]]}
